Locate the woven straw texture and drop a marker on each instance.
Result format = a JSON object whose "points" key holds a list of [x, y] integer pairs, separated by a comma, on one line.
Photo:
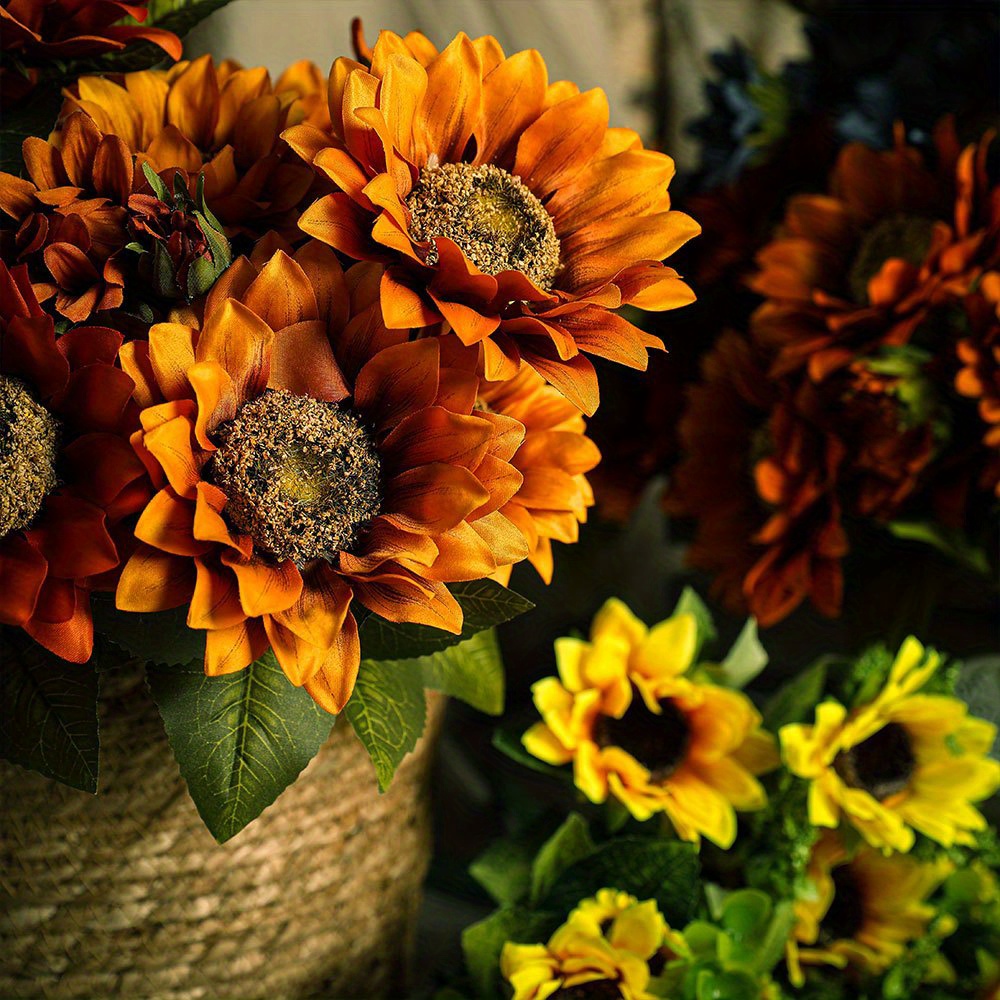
{"points": [[128, 895]]}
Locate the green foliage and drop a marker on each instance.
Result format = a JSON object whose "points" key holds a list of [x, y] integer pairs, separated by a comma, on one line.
{"points": [[153, 637], [239, 739], [48, 712], [745, 660], [483, 942], [504, 870], [484, 605], [388, 712], [690, 603], [796, 700], [953, 542], [472, 671], [570, 844], [34, 116], [508, 742]]}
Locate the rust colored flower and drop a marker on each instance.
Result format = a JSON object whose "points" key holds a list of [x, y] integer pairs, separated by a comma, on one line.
{"points": [[295, 476], [34, 32], [554, 459], [760, 478], [67, 473], [863, 267], [499, 203]]}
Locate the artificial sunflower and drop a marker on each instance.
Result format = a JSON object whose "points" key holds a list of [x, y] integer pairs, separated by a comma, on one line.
{"points": [[67, 474], [904, 761], [294, 476], [38, 32], [863, 911], [760, 477], [499, 203], [554, 459], [601, 952], [625, 711], [864, 266]]}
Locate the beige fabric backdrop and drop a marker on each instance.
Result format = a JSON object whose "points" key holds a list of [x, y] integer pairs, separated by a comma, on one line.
{"points": [[614, 44]]}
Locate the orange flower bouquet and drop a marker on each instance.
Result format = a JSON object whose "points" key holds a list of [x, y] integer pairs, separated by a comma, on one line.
{"points": [[294, 372]]}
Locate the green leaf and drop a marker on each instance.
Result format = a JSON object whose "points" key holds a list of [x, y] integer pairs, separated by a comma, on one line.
{"points": [[484, 604], [690, 603], [978, 685], [153, 637], [953, 542], [156, 182], [664, 870], [746, 659], [388, 712], [504, 870], [472, 671], [48, 712], [239, 739], [35, 116], [796, 700], [483, 942], [570, 843]]}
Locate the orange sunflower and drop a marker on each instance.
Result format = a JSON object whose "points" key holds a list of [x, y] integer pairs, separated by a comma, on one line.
{"points": [[863, 267], [499, 203], [294, 475], [554, 459], [760, 476], [67, 474]]}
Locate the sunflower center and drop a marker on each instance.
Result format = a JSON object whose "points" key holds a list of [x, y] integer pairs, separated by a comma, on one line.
{"points": [[596, 989], [490, 214], [658, 742], [881, 765], [302, 476], [29, 445], [900, 236], [847, 911]]}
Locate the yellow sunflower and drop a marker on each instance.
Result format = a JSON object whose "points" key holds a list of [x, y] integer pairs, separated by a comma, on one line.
{"points": [[602, 951], [905, 761], [500, 203], [863, 911], [638, 727]]}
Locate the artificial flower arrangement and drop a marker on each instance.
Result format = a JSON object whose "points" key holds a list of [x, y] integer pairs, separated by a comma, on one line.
{"points": [[825, 845], [293, 373]]}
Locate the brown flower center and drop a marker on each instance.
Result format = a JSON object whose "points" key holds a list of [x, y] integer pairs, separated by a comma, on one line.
{"points": [[658, 742], [847, 909], [302, 477], [881, 765], [907, 237], [29, 446], [490, 214], [596, 989]]}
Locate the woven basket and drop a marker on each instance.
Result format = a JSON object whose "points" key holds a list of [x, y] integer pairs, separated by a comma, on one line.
{"points": [[128, 895]]}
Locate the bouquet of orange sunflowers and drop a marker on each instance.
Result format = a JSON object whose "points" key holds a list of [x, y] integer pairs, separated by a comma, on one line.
{"points": [[293, 372]]}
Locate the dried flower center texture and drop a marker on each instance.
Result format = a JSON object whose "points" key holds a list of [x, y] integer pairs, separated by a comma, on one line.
{"points": [[881, 765], [302, 476], [906, 237], [658, 742], [490, 214], [29, 444]]}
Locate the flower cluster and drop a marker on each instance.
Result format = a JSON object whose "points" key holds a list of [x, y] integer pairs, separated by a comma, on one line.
{"points": [[866, 386]]}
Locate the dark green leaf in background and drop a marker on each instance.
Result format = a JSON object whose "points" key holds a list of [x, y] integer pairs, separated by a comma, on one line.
{"points": [[482, 943], [153, 637], [569, 844], [690, 603], [388, 712], [48, 712], [796, 700], [484, 604], [504, 870], [240, 739], [36, 115]]}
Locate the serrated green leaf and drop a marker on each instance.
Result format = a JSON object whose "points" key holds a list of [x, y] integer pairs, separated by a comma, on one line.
{"points": [[484, 605], [746, 659], [504, 870], [568, 845], [472, 671], [239, 739], [36, 116], [664, 870], [48, 712], [483, 942], [153, 637], [796, 700], [690, 603], [388, 712]]}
